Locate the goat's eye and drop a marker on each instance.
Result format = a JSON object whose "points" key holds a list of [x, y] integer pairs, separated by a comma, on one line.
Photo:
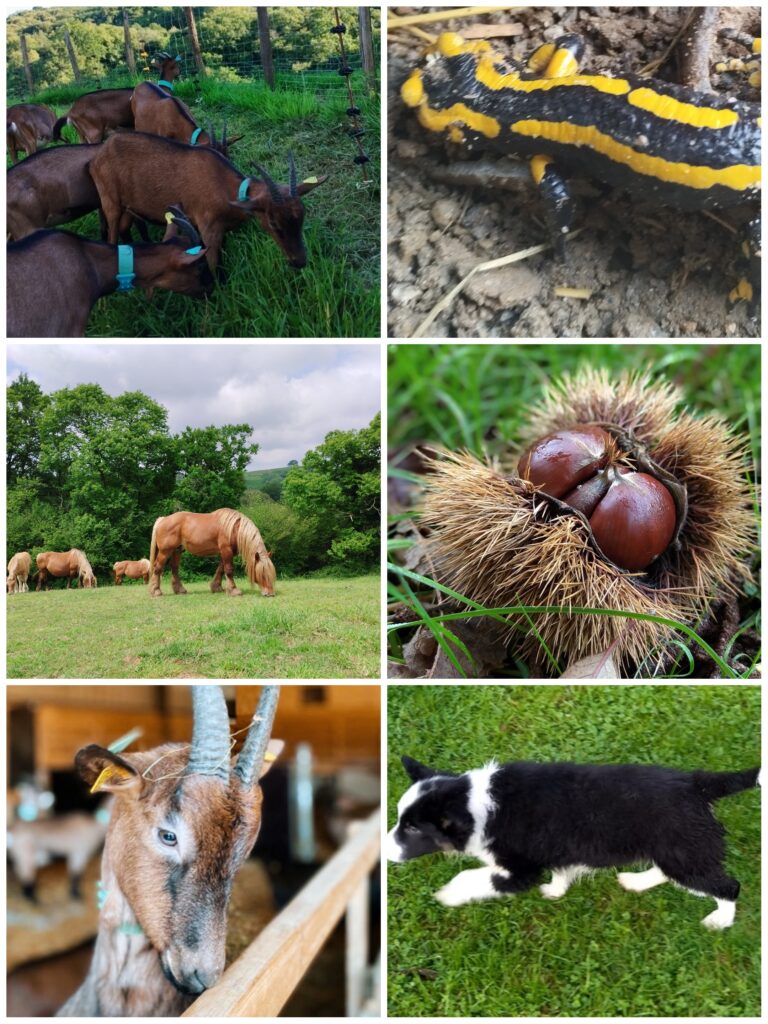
{"points": [[167, 838]]}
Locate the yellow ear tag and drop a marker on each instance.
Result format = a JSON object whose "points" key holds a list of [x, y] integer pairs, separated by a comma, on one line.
{"points": [[269, 756], [169, 218], [310, 181], [109, 772]]}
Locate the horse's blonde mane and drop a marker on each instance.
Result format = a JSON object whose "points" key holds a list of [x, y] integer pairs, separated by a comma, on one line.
{"points": [[83, 565], [250, 546]]}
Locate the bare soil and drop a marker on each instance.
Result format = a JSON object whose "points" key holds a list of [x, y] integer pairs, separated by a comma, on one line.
{"points": [[653, 273]]}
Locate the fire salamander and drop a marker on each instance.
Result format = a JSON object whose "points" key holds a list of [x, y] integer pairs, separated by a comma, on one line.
{"points": [[664, 143]]}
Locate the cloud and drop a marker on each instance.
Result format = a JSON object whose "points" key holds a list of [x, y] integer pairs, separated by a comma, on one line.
{"points": [[292, 395]]}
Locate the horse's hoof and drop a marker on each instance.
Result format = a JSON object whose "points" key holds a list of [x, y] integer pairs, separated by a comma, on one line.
{"points": [[235, 593]]}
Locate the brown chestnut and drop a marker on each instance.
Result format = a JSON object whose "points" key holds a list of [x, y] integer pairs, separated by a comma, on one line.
{"points": [[633, 515], [558, 462]]}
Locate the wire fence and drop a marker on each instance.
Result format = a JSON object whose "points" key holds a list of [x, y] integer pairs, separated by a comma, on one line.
{"points": [[304, 52]]}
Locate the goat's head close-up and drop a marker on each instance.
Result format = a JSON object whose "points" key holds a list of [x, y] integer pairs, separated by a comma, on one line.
{"points": [[184, 820]]}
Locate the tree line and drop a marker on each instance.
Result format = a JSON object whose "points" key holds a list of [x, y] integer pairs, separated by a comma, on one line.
{"points": [[92, 471], [229, 38]]}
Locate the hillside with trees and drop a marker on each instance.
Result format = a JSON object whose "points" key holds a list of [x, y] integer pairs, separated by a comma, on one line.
{"points": [[89, 470]]}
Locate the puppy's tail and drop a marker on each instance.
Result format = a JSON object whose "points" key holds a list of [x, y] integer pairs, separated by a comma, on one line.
{"points": [[715, 785]]}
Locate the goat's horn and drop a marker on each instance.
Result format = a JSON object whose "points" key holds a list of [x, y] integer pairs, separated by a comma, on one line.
{"points": [[211, 134], [248, 767], [185, 226], [210, 733], [291, 174], [274, 189], [224, 133]]}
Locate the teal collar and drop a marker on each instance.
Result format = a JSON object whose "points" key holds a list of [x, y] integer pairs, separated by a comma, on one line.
{"points": [[195, 136], [168, 85], [242, 192], [194, 250], [101, 899], [125, 272]]}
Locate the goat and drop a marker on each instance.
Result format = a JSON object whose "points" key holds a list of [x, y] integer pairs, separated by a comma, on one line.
{"points": [[76, 836], [157, 113], [140, 173], [182, 824], [94, 114], [50, 188], [26, 124], [55, 277]]}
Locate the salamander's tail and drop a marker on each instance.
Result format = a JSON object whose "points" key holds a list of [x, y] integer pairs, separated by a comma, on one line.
{"points": [[715, 785]]}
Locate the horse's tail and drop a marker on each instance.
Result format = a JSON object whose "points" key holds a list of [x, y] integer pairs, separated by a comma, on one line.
{"points": [[251, 548], [153, 546], [61, 123]]}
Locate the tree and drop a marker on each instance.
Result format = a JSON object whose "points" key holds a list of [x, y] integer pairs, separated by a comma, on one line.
{"points": [[25, 403], [211, 466], [337, 488]]}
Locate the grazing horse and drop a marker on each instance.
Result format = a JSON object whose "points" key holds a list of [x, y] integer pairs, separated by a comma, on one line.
{"points": [[72, 564], [132, 570], [19, 568], [224, 532]]}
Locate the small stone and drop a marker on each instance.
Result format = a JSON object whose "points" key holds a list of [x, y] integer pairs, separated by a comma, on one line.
{"points": [[445, 212], [404, 294]]}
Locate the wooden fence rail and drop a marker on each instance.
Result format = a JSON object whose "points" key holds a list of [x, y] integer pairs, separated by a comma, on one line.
{"points": [[261, 980]]}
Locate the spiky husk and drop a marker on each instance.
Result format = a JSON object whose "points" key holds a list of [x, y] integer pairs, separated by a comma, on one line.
{"points": [[496, 542]]}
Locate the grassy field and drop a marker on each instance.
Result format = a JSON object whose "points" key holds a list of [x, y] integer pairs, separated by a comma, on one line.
{"points": [[600, 951], [313, 628], [477, 397], [337, 294]]}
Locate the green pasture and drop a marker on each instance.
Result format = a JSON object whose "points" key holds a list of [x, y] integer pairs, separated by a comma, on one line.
{"points": [[313, 628], [337, 294], [477, 397], [599, 951]]}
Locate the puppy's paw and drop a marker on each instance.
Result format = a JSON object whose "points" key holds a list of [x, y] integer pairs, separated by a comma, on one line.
{"points": [[551, 891], [450, 895], [719, 919], [628, 880]]}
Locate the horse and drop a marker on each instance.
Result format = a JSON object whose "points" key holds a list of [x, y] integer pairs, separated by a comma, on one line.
{"points": [[19, 569], [224, 532], [73, 564], [132, 570]]}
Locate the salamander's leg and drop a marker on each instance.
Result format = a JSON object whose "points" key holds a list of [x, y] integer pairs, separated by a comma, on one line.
{"points": [[558, 59], [749, 285], [736, 64], [559, 206]]}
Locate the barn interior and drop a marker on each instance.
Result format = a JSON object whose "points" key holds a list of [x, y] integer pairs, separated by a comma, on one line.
{"points": [[323, 785]]}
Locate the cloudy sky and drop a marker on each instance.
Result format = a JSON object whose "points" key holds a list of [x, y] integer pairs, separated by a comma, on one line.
{"points": [[292, 395]]}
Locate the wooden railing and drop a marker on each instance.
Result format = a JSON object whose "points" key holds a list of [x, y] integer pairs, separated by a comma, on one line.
{"points": [[261, 980]]}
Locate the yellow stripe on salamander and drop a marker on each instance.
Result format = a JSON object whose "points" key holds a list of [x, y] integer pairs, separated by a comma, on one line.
{"points": [[739, 177], [684, 113], [414, 95], [487, 75]]}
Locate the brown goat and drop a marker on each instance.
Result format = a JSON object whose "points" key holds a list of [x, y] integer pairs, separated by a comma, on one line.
{"points": [[156, 112], [26, 124], [96, 113], [55, 277], [50, 188], [140, 173], [181, 826]]}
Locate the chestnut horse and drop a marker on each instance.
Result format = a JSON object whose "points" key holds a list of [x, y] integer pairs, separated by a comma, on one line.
{"points": [[224, 532], [73, 564], [19, 569], [132, 570]]}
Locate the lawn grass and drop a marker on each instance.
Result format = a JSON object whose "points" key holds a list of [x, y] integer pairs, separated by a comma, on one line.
{"points": [[338, 292], [477, 397], [600, 951], [313, 628]]}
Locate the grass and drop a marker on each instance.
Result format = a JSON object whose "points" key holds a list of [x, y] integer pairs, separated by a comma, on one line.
{"points": [[477, 396], [600, 951], [338, 293], [313, 628]]}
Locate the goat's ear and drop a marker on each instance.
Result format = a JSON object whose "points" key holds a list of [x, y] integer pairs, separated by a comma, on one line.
{"points": [[185, 257], [251, 205], [310, 183], [231, 140], [417, 771], [106, 772], [274, 750]]}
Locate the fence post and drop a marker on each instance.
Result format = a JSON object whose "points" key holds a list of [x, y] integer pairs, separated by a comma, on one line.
{"points": [[194, 39], [265, 47], [366, 47], [356, 942], [130, 60], [72, 57], [25, 61]]}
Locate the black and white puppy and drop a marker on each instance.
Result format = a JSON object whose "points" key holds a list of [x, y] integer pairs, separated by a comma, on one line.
{"points": [[522, 818]]}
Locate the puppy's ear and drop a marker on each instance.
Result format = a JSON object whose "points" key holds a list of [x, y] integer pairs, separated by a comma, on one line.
{"points": [[417, 771]]}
